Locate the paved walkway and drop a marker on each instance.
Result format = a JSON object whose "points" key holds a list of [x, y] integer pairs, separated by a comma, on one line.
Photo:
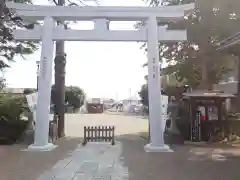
{"points": [[95, 161], [16, 164]]}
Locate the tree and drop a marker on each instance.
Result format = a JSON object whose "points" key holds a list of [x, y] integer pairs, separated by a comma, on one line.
{"points": [[27, 91], [169, 90], [143, 93], [196, 61], [8, 46], [75, 96], [2, 83]]}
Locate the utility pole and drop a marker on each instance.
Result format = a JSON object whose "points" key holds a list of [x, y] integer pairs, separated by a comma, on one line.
{"points": [[38, 66], [60, 64]]}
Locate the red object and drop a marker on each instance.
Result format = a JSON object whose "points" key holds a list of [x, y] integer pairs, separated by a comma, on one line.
{"points": [[203, 118]]}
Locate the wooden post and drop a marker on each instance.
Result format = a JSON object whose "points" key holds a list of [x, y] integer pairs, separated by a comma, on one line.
{"points": [[113, 136]]}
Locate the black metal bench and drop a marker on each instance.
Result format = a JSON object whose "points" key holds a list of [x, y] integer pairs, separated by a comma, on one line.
{"points": [[99, 134]]}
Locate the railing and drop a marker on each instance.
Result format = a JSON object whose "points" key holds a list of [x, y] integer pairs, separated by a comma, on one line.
{"points": [[99, 134]]}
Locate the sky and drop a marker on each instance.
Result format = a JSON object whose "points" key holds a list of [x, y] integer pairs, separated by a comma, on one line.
{"points": [[102, 69]]}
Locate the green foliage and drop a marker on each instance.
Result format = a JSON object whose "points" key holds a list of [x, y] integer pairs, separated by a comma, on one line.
{"points": [[27, 91], [74, 96], [11, 125], [143, 93], [196, 60], [168, 90], [11, 107], [2, 83], [8, 46]]}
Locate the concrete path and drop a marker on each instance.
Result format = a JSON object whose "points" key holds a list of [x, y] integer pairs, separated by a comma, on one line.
{"points": [[95, 161], [16, 164], [123, 124]]}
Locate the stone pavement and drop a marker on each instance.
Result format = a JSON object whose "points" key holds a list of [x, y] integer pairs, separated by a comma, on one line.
{"points": [[95, 161], [16, 164], [187, 162]]}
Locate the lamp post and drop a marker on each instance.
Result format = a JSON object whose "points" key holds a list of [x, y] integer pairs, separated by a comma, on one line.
{"points": [[38, 66]]}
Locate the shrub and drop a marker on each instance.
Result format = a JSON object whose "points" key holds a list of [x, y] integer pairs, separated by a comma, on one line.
{"points": [[74, 96], [29, 91], [11, 125], [11, 108]]}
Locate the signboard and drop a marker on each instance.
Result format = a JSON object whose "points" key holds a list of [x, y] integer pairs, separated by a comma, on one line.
{"points": [[212, 113], [164, 110], [196, 128], [32, 101], [32, 104]]}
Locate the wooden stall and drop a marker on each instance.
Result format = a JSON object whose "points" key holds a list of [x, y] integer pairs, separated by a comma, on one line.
{"points": [[207, 113]]}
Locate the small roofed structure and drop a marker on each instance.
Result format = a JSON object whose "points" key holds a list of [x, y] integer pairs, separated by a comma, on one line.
{"points": [[95, 105], [206, 113]]}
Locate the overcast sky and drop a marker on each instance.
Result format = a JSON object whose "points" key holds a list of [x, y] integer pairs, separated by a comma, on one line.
{"points": [[102, 69]]}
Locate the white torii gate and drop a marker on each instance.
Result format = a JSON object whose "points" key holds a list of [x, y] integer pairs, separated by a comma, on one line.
{"points": [[50, 32]]}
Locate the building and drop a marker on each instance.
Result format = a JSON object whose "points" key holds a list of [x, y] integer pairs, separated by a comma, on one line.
{"points": [[94, 105], [12, 90], [229, 84]]}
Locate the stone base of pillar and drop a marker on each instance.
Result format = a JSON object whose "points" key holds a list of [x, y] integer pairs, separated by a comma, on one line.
{"points": [[151, 148], [47, 147]]}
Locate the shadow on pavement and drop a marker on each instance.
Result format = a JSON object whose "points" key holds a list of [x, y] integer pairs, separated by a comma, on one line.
{"points": [[187, 162], [21, 165]]}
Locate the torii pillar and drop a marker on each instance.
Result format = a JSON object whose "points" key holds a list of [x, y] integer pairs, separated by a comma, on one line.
{"points": [[154, 91], [44, 91]]}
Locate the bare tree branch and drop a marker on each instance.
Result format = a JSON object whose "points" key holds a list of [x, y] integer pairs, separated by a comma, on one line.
{"points": [[81, 2], [55, 2], [75, 4]]}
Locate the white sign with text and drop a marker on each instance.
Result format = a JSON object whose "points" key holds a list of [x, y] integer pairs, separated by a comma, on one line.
{"points": [[32, 104], [164, 110]]}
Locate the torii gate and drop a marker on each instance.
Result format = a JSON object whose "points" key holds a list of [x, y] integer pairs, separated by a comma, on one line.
{"points": [[50, 32]]}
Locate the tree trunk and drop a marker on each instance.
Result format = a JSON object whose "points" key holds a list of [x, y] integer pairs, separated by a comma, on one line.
{"points": [[2, 5], [60, 64], [238, 84], [204, 84]]}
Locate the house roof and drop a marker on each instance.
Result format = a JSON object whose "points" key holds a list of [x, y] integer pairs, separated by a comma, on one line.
{"points": [[12, 90], [200, 93]]}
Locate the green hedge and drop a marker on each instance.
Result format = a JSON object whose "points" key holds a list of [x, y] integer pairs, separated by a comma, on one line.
{"points": [[11, 125]]}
